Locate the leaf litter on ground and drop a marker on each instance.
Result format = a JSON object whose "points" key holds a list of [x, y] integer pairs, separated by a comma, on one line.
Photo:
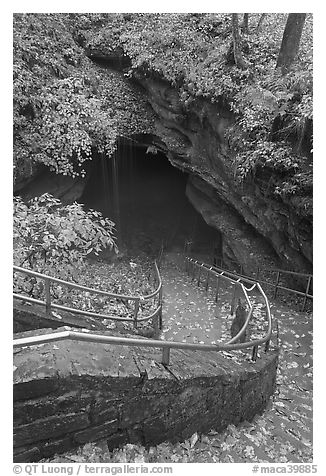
{"points": [[282, 434]]}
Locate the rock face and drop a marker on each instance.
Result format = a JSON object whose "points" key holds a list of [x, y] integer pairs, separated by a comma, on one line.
{"points": [[194, 142], [65, 188], [240, 243], [71, 393]]}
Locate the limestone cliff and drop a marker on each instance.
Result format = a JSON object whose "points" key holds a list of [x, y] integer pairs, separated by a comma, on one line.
{"points": [[252, 223], [109, 69], [256, 229]]}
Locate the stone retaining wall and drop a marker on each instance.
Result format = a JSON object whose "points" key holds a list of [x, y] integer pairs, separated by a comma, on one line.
{"points": [[27, 317], [69, 393]]}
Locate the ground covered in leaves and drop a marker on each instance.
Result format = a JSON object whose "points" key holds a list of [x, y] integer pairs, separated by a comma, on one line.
{"points": [[128, 275], [283, 433]]}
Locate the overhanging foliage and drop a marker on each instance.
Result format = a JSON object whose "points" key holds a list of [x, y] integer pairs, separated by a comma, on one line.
{"points": [[66, 106]]}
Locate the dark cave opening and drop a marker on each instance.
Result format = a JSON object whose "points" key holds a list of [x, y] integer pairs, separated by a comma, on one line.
{"points": [[145, 195]]}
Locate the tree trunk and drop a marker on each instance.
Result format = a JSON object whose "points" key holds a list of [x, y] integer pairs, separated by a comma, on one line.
{"points": [[291, 41], [260, 22], [238, 59], [245, 23]]}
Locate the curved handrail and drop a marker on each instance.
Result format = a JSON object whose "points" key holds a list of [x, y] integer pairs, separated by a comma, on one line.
{"points": [[285, 271], [50, 305], [245, 325], [276, 285], [223, 274], [166, 346], [92, 290], [73, 310], [100, 338], [154, 293]]}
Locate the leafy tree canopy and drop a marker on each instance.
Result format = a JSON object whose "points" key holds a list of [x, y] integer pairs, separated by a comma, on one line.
{"points": [[192, 51], [66, 106]]}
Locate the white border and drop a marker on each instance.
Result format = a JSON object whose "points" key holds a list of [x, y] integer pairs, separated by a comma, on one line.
{"points": [[319, 193]]}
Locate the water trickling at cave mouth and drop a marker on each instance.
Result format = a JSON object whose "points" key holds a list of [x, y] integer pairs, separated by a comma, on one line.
{"points": [[146, 197]]}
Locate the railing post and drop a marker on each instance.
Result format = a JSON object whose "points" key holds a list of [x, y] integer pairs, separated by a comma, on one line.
{"points": [[136, 309], [186, 247], [254, 353], [277, 335], [194, 272], [166, 356], [234, 299], [207, 280], [258, 273], [277, 282], [160, 301], [217, 288], [47, 284], [198, 279], [156, 322], [307, 292]]}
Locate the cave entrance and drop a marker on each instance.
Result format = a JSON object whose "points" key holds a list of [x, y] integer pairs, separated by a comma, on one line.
{"points": [[145, 196]]}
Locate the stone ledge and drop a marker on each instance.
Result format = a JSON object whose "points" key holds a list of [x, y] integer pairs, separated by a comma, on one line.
{"points": [[69, 393]]}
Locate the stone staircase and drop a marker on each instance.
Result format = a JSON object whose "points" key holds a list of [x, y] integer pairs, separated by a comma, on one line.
{"points": [[283, 432]]}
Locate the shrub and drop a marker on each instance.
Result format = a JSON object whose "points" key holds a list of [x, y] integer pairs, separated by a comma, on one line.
{"points": [[55, 239]]}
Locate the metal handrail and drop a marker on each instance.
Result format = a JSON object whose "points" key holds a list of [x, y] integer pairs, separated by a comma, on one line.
{"points": [[166, 346], [276, 286], [284, 271], [50, 305], [157, 290], [222, 274], [100, 338], [86, 288]]}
